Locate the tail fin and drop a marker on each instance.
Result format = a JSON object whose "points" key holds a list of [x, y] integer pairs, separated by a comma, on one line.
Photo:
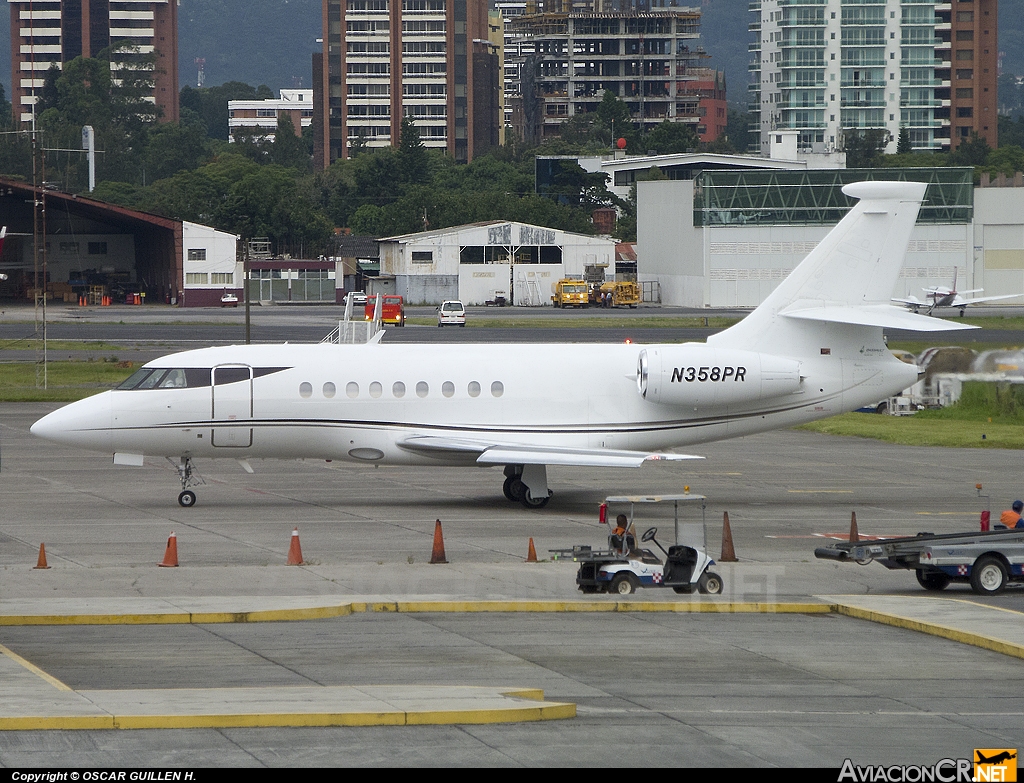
{"points": [[849, 277]]}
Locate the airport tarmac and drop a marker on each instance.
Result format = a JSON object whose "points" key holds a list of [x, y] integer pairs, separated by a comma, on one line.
{"points": [[662, 686]]}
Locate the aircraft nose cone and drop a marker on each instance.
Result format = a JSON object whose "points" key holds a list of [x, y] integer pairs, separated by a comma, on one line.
{"points": [[85, 423]]}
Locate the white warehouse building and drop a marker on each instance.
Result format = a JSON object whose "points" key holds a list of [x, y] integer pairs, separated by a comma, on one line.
{"points": [[727, 238], [479, 261]]}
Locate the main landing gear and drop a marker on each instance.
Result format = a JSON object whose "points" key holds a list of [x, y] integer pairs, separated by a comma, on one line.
{"points": [[527, 484], [189, 477]]}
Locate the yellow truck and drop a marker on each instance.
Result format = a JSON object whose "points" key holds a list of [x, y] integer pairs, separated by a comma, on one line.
{"points": [[623, 293], [570, 293]]}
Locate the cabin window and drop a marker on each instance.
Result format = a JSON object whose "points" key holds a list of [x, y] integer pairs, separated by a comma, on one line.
{"points": [[448, 389], [474, 389], [305, 389], [422, 389], [330, 390], [352, 390], [497, 389], [398, 389], [376, 389]]}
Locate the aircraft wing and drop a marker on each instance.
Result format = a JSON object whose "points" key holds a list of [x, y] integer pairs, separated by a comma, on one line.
{"points": [[872, 315], [491, 453], [911, 301], [979, 299]]}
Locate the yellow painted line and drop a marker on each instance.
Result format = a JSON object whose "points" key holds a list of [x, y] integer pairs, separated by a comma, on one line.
{"points": [[33, 668], [975, 603], [953, 634], [419, 607], [57, 722]]}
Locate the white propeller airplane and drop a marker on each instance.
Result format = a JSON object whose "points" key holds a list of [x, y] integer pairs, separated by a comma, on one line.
{"points": [[938, 296], [813, 349]]}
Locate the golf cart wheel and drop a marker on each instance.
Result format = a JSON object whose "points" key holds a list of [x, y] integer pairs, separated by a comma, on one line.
{"points": [[710, 583], [989, 576], [930, 580], [623, 584]]}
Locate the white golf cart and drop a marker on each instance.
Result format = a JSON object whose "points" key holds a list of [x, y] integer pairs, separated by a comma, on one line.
{"points": [[623, 567]]}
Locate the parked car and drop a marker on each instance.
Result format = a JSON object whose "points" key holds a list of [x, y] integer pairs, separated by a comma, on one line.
{"points": [[228, 299], [358, 298], [451, 314]]}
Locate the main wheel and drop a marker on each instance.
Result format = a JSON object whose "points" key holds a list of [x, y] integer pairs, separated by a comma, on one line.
{"points": [[507, 488], [531, 502], [517, 489], [988, 577], [710, 583], [623, 584], [930, 580], [187, 499]]}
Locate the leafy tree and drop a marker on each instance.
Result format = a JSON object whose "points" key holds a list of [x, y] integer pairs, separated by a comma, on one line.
{"points": [[413, 161], [175, 147], [1011, 131], [864, 148], [903, 146], [737, 130], [1008, 160], [289, 150], [614, 116], [670, 137], [972, 152]]}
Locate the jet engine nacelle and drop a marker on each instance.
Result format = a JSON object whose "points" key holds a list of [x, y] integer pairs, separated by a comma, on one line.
{"points": [[699, 375]]}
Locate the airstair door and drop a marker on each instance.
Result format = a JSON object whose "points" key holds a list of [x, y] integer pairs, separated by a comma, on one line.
{"points": [[232, 406]]}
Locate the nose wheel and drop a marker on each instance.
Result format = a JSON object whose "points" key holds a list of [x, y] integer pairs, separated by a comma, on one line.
{"points": [[189, 477]]}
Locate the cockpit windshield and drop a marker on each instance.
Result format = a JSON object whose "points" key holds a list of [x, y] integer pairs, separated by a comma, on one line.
{"points": [[161, 378], [192, 377]]}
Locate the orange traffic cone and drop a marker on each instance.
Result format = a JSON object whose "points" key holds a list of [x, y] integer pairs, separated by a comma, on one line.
{"points": [[531, 555], [295, 550], [854, 537], [437, 555], [171, 554], [728, 551], [41, 562]]}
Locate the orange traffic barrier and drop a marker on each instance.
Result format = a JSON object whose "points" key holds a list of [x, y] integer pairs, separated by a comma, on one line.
{"points": [[295, 550], [171, 554], [437, 555], [854, 536], [728, 551], [531, 554], [41, 562]]}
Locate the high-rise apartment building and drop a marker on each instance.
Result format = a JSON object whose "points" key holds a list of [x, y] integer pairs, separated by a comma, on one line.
{"points": [[648, 54], [830, 67], [53, 32], [429, 60], [974, 70]]}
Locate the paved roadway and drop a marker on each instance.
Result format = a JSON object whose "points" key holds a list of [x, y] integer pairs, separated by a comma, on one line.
{"points": [[652, 689]]}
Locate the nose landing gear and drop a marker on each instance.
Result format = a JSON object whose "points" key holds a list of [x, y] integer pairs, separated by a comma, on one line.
{"points": [[189, 477]]}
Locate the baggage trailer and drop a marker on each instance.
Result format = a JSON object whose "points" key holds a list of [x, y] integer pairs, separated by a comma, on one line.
{"points": [[989, 561]]}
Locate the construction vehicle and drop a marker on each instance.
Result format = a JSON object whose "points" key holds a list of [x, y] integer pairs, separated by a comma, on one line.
{"points": [[570, 292], [392, 309], [622, 293], [989, 561]]}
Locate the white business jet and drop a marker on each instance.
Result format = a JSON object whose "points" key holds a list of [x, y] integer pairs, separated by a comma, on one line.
{"points": [[940, 296], [814, 348]]}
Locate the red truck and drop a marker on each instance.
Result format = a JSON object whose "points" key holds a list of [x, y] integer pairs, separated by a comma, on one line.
{"points": [[392, 309]]}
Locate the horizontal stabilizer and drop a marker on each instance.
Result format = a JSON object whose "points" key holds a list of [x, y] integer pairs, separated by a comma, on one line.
{"points": [[489, 453], [885, 316]]}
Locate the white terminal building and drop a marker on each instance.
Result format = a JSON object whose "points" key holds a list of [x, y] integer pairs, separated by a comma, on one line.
{"points": [[726, 238], [480, 261]]}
